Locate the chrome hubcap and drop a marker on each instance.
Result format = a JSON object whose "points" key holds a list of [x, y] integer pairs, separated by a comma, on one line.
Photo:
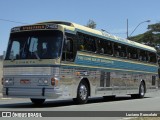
{"points": [[83, 92], [142, 90]]}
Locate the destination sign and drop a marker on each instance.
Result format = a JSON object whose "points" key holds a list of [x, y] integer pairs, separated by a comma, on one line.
{"points": [[34, 27]]}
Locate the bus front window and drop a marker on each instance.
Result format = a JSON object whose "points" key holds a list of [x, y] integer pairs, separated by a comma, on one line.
{"points": [[35, 45]]}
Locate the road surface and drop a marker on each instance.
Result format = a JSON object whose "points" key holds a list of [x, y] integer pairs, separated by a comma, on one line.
{"points": [[151, 102]]}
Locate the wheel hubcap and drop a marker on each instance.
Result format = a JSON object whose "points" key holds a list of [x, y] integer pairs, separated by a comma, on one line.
{"points": [[142, 90], [83, 92]]}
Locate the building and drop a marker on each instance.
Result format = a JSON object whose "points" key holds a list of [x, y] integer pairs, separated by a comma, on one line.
{"points": [[1, 71]]}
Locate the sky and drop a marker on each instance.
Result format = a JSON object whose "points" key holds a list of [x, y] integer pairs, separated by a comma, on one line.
{"points": [[110, 15]]}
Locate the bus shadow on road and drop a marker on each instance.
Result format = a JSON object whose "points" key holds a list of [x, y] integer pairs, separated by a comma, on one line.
{"points": [[62, 103]]}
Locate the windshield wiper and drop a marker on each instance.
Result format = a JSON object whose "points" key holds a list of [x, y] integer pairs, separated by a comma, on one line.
{"points": [[12, 58], [37, 56]]}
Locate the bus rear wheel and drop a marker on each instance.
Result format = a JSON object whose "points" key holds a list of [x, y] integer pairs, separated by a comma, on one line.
{"points": [[82, 93], [141, 93], [142, 90], [37, 101]]}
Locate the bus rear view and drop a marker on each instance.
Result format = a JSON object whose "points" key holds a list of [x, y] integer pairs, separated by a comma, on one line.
{"points": [[31, 65]]}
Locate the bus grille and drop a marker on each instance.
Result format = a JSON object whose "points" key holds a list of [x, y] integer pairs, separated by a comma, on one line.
{"points": [[27, 71]]}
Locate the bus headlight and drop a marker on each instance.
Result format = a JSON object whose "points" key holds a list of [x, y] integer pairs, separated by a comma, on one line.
{"points": [[43, 81], [40, 81], [8, 81]]}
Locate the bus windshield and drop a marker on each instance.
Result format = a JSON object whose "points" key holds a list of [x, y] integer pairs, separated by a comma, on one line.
{"points": [[44, 44]]}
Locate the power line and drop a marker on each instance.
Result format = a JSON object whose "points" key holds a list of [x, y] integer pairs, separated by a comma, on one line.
{"points": [[12, 21]]}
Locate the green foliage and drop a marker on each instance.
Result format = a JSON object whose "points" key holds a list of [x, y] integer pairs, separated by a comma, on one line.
{"points": [[147, 37], [91, 24], [151, 37], [154, 27]]}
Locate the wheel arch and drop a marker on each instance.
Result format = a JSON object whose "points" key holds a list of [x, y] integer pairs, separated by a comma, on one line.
{"points": [[88, 83]]}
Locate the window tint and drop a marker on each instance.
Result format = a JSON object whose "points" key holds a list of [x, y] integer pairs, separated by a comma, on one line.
{"points": [[86, 43], [132, 53], [152, 58], [143, 56], [120, 50], [107, 47], [104, 47], [68, 50]]}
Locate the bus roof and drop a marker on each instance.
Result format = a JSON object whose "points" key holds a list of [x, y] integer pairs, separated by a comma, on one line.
{"points": [[74, 28]]}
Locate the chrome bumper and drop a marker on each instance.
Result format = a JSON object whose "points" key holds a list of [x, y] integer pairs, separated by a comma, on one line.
{"points": [[53, 93]]}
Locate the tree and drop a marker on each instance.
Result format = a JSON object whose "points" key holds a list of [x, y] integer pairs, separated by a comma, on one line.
{"points": [[91, 24], [151, 37], [154, 27], [145, 38]]}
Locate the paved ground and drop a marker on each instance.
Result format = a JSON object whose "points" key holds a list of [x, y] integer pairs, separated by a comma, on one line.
{"points": [[150, 103]]}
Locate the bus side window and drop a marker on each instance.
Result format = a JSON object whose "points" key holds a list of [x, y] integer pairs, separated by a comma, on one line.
{"points": [[89, 44], [68, 50], [80, 42], [104, 47], [86, 43], [120, 50], [153, 58], [143, 56]]}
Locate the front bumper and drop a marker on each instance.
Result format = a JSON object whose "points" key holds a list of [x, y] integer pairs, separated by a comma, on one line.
{"points": [[53, 93]]}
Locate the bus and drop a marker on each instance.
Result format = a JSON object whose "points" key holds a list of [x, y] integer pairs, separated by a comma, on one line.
{"points": [[65, 60]]}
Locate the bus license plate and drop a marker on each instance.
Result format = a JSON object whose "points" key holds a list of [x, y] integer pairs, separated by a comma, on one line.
{"points": [[25, 81]]}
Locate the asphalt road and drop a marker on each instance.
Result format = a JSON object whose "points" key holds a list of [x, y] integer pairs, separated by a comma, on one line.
{"points": [[151, 102]]}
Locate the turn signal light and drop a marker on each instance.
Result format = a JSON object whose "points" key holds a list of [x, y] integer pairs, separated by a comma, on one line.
{"points": [[54, 81]]}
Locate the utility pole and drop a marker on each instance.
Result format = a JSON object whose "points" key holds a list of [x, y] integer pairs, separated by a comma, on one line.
{"points": [[127, 28]]}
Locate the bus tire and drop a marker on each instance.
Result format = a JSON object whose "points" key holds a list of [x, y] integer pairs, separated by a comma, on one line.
{"points": [[82, 93], [37, 101], [141, 90]]}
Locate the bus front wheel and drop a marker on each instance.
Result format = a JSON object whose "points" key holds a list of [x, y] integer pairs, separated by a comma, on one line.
{"points": [[82, 93], [37, 101]]}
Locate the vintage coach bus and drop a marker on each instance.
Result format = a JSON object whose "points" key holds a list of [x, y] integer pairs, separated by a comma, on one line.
{"points": [[63, 60]]}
